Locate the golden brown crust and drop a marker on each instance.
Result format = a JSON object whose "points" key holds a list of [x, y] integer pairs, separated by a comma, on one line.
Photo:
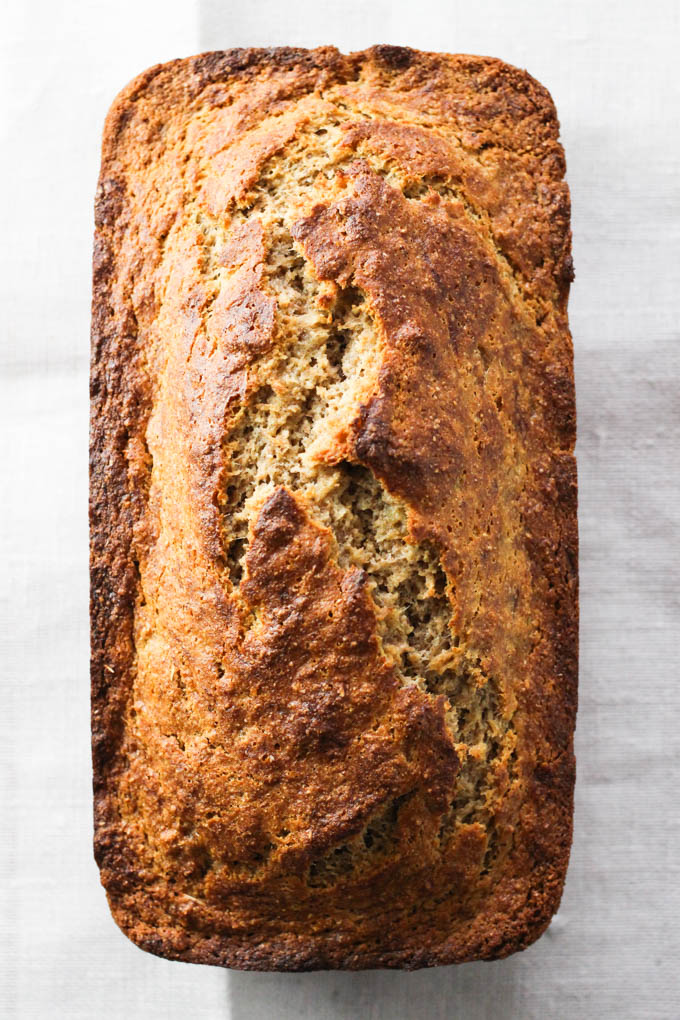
{"points": [[286, 775]]}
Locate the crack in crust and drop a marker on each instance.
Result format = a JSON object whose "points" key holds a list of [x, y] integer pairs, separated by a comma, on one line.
{"points": [[333, 510], [268, 447]]}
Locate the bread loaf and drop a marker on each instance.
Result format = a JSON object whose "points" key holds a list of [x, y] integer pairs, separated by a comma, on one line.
{"points": [[333, 510]]}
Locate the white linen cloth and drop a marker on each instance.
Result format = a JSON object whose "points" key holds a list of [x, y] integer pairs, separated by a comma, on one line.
{"points": [[612, 951]]}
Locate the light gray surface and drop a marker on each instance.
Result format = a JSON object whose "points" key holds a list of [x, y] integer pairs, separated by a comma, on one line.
{"points": [[613, 950]]}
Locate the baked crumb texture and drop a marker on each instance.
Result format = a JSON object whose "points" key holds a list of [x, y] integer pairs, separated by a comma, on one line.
{"points": [[334, 581]]}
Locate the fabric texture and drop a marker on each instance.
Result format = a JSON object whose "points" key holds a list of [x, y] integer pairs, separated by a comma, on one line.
{"points": [[612, 948]]}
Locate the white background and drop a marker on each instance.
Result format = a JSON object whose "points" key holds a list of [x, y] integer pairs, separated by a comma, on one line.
{"points": [[612, 69]]}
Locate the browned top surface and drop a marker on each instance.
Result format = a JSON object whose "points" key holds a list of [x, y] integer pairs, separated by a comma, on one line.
{"points": [[269, 791]]}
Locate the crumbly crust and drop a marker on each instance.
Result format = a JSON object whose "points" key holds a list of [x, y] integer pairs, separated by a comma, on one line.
{"points": [[333, 510]]}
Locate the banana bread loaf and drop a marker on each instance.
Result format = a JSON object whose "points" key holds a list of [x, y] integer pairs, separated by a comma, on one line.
{"points": [[333, 510]]}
